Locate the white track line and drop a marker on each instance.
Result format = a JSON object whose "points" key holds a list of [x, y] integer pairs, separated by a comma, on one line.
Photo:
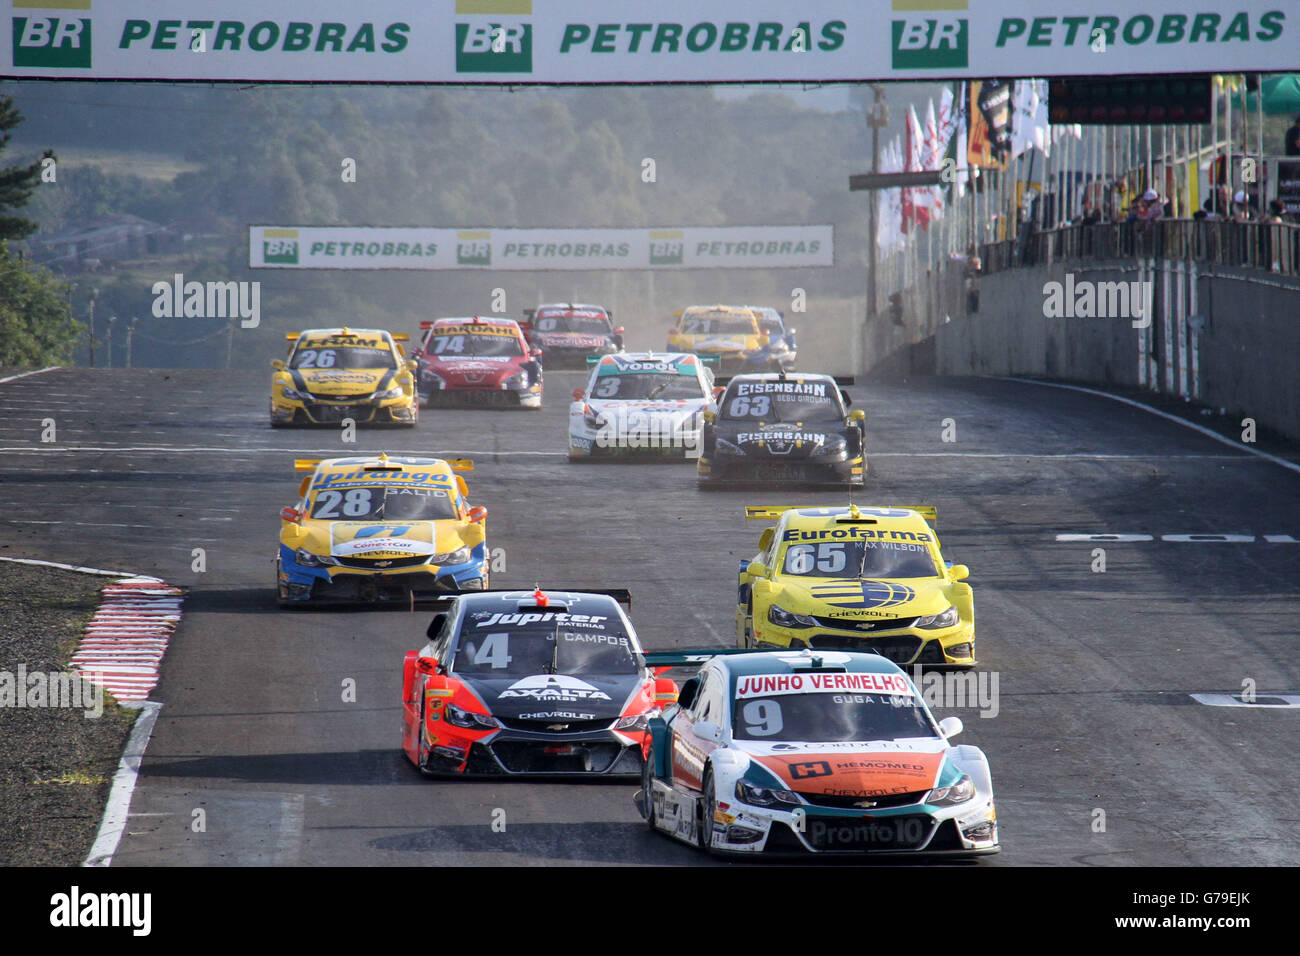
{"points": [[73, 567], [113, 825], [13, 378], [1209, 433], [244, 451]]}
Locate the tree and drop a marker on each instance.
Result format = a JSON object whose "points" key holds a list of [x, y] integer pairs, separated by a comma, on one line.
{"points": [[16, 182], [36, 326]]}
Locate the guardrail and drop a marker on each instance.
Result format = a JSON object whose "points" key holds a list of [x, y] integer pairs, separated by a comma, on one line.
{"points": [[1271, 247]]}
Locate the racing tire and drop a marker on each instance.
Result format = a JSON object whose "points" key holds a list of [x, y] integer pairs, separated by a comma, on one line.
{"points": [[647, 790], [705, 810]]}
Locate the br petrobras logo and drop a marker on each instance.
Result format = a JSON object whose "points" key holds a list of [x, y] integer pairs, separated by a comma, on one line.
{"points": [[863, 594], [496, 45], [667, 247], [280, 247], [930, 35], [61, 41], [473, 248]]}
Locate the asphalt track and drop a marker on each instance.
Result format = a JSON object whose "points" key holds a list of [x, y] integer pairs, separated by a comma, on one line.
{"points": [[1095, 669]]}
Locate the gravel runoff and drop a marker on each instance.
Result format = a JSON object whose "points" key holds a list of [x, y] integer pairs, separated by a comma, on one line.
{"points": [[56, 764]]}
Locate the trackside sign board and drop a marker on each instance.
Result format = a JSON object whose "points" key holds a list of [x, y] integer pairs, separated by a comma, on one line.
{"points": [[396, 247], [522, 42]]}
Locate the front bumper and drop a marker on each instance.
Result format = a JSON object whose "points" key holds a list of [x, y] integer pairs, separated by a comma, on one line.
{"points": [[351, 585], [954, 646], [722, 468], [390, 411], [479, 397], [522, 753], [917, 830], [651, 445]]}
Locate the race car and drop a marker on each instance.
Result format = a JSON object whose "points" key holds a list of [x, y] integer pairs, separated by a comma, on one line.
{"points": [[369, 529], [729, 334], [789, 428], [641, 404], [336, 374], [856, 579], [781, 351], [478, 361], [530, 682], [812, 752], [569, 332]]}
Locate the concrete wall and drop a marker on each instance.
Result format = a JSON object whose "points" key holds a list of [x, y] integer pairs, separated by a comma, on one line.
{"points": [[1245, 359]]}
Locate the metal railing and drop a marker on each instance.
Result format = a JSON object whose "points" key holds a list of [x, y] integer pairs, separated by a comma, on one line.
{"points": [[1270, 247]]}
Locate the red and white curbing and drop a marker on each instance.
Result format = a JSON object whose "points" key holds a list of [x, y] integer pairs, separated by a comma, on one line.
{"points": [[124, 643]]}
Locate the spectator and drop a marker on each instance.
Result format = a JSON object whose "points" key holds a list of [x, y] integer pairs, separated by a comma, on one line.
{"points": [[1208, 210], [1276, 211], [1293, 138], [1240, 207], [1201, 214]]}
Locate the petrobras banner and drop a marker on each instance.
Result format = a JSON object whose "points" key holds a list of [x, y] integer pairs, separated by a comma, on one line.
{"points": [[520, 42], [400, 247]]}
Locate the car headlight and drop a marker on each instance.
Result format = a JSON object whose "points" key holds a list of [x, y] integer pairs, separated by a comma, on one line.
{"points": [[832, 446], [294, 394], [633, 722], [764, 796], [593, 420], [308, 560], [783, 618], [459, 556], [433, 381], [959, 792], [395, 392], [728, 446], [515, 382], [460, 717], [933, 622]]}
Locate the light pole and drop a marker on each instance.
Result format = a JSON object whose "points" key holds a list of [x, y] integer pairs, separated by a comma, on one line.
{"points": [[94, 294], [130, 330], [108, 345]]}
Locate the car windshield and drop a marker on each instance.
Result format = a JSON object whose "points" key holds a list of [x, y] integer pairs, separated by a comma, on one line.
{"points": [[456, 344], [867, 559], [826, 717], [717, 325], [392, 503], [496, 644], [782, 402], [342, 357], [772, 326], [564, 322], [648, 385]]}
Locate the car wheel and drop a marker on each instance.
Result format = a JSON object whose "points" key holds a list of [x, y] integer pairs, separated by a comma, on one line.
{"points": [[647, 789], [706, 809]]}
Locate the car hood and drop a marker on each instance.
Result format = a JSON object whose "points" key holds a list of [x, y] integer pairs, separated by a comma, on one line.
{"points": [[353, 381], [717, 343], [857, 598], [590, 696], [865, 768], [380, 540], [475, 370], [630, 410], [781, 439]]}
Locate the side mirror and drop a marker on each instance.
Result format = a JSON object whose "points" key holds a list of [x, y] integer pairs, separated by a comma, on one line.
{"points": [[765, 540], [756, 569], [278, 365], [578, 395], [950, 726], [665, 691], [462, 487], [709, 416], [845, 395], [619, 330], [708, 730], [858, 415], [535, 352], [718, 392], [959, 572], [427, 665], [291, 514], [686, 696], [476, 514], [412, 365]]}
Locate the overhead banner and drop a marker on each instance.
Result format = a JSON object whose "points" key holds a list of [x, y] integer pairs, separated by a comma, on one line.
{"points": [[521, 42], [402, 247]]}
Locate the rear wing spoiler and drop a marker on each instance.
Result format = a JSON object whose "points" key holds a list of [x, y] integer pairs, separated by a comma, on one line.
{"points": [[772, 512], [456, 464], [685, 657], [443, 601]]}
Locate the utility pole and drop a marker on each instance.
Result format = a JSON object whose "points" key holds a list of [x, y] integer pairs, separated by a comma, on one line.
{"points": [[876, 119], [108, 347], [130, 330], [94, 294]]}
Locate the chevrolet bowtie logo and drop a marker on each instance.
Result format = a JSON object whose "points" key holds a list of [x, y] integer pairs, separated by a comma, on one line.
{"points": [[865, 804]]}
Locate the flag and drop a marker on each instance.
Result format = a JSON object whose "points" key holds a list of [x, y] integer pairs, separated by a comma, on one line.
{"points": [[916, 201], [1029, 115], [889, 227]]}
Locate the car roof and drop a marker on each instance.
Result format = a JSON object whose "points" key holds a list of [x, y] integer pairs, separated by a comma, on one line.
{"points": [[787, 662], [511, 600], [797, 377], [385, 464], [571, 306], [343, 331], [618, 359], [727, 309], [475, 320]]}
